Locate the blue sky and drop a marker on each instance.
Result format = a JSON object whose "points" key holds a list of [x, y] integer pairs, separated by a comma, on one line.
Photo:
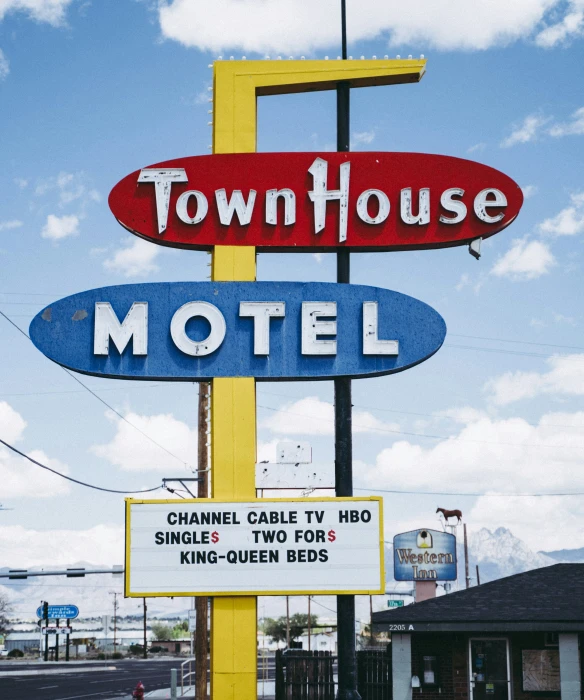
{"points": [[93, 91]]}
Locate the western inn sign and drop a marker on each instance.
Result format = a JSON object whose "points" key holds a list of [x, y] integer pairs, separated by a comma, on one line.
{"points": [[234, 331]]}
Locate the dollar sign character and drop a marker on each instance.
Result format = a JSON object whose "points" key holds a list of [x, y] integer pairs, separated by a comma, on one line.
{"points": [[215, 537], [331, 536]]}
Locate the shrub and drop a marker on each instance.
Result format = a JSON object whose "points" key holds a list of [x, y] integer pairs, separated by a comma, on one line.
{"points": [[136, 649], [15, 654], [156, 650], [117, 655], [101, 656]]}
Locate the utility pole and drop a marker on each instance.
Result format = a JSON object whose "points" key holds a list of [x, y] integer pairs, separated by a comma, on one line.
{"points": [[309, 623], [466, 574], [478, 576], [343, 421], [115, 595], [202, 602], [145, 653], [287, 622]]}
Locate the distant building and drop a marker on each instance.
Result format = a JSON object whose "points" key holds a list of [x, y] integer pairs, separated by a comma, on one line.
{"points": [[516, 638]]}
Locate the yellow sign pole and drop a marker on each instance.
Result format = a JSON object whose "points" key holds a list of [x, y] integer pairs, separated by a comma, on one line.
{"points": [[236, 86]]}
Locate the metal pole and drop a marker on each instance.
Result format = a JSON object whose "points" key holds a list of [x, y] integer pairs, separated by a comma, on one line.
{"points": [[145, 652], [308, 623], [115, 620], [347, 662], [287, 622], [173, 683], [201, 603], [466, 574], [57, 642], [68, 637], [478, 576]]}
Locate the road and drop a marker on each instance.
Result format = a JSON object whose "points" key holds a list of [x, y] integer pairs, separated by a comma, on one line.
{"points": [[83, 682], [86, 683]]}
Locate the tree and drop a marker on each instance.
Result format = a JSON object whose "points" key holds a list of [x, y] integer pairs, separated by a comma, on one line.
{"points": [[180, 629], [276, 629], [4, 610], [161, 632]]}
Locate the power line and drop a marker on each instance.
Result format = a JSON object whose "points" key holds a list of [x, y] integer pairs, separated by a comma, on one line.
{"points": [[70, 478], [483, 495], [519, 342], [425, 435], [111, 408], [409, 413]]}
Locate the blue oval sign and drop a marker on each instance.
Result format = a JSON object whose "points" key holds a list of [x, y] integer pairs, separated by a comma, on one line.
{"points": [[60, 612], [193, 331]]}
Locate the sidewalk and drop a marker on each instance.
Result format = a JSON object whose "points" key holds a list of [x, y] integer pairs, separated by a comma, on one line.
{"points": [[266, 691]]}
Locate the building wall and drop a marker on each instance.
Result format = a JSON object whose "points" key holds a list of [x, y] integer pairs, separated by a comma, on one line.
{"points": [[452, 676], [451, 652]]}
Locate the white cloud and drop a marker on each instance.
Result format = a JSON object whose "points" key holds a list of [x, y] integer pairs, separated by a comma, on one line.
{"points": [[24, 548], [4, 66], [59, 227], [136, 259], [463, 282], [476, 148], [528, 130], [363, 137], [50, 11], [131, 451], [311, 416], [13, 424], [21, 182], [569, 27], [71, 187], [574, 127], [303, 26], [569, 221], [9, 225], [525, 260], [566, 377], [529, 191], [524, 517], [19, 477], [504, 456]]}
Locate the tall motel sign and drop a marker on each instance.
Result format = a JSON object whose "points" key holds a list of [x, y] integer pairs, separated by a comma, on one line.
{"points": [[234, 331]]}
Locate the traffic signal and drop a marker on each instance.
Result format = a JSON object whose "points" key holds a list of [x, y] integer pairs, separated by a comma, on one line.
{"points": [[45, 610]]}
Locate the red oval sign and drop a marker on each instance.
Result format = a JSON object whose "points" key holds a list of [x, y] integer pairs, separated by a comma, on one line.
{"points": [[307, 201]]}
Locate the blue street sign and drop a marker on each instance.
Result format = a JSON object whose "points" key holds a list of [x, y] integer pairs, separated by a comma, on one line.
{"points": [[424, 555], [60, 612], [190, 331]]}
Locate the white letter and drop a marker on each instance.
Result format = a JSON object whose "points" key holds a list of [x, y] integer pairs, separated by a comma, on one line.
{"points": [[261, 312], [236, 204], [162, 180], [192, 309], [450, 204], [312, 328], [383, 202], [182, 207], [371, 343], [272, 206], [481, 203], [423, 216], [107, 326], [320, 195]]}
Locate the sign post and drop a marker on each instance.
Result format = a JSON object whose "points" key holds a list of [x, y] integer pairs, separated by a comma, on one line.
{"points": [[256, 327]]}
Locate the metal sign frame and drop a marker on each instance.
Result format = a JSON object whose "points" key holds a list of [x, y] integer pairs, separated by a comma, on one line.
{"points": [[209, 503]]}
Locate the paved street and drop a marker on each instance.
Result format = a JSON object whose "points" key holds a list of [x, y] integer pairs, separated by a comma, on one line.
{"points": [[83, 681], [101, 681]]}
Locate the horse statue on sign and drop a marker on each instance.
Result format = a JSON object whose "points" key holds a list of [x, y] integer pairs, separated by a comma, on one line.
{"points": [[450, 514]]}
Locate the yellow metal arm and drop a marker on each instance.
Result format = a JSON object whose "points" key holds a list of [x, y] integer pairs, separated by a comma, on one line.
{"points": [[237, 84]]}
